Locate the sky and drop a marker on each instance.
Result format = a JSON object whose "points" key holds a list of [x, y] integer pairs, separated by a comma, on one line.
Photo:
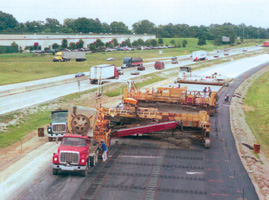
{"points": [[160, 12]]}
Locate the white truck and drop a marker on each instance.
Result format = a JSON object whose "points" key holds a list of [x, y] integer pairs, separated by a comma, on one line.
{"points": [[64, 56], [102, 72], [199, 55]]}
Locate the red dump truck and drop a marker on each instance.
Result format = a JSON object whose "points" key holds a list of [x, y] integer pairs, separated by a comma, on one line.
{"points": [[79, 148]]}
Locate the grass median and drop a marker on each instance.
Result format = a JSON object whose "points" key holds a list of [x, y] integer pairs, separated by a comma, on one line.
{"points": [[256, 112]]}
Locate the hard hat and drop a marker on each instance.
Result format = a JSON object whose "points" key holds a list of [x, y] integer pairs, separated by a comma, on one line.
{"points": [[102, 140]]}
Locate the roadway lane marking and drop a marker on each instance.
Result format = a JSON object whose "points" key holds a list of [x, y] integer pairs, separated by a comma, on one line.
{"points": [[194, 173], [214, 194], [216, 181]]}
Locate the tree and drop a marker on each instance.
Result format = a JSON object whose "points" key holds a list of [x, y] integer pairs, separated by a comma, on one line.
{"points": [[105, 28], [184, 43], [140, 42], [69, 24], [153, 42], [144, 26], [64, 43], [80, 44], [93, 47], [85, 25], [55, 46], [72, 45], [172, 42], [160, 41], [7, 21], [14, 44], [52, 24], [127, 42], [201, 41], [99, 43], [115, 42], [33, 27], [119, 27], [135, 43]]}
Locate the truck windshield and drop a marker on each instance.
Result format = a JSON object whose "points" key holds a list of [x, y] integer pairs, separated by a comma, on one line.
{"points": [[78, 142], [126, 60], [60, 116], [184, 69]]}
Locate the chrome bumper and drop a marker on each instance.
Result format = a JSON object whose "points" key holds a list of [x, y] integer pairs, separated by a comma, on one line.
{"points": [[69, 167]]}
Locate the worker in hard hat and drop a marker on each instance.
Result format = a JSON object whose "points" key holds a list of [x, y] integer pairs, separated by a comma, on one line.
{"points": [[104, 148]]}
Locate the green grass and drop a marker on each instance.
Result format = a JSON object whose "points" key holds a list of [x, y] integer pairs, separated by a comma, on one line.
{"points": [[17, 68], [147, 80], [28, 124], [257, 116]]}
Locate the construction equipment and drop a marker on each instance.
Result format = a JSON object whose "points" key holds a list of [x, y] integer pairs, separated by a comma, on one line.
{"points": [[143, 116], [171, 95], [185, 76]]}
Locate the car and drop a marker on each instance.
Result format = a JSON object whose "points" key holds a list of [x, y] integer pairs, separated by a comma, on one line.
{"points": [[226, 53], [159, 65], [141, 68], [79, 74], [174, 60], [110, 50], [135, 72], [120, 71], [110, 59], [216, 55], [244, 50]]}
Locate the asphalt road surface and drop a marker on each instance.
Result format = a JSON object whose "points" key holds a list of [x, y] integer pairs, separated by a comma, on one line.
{"points": [[143, 168]]}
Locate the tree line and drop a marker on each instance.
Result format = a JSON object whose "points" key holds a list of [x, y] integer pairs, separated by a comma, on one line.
{"points": [[8, 24]]}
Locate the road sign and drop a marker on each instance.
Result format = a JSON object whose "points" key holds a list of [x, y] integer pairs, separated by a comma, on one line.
{"points": [[225, 39]]}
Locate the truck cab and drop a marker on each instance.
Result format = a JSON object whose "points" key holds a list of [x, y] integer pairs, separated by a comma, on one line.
{"points": [[58, 124], [76, 153], [184, 72], [58, 57], [127, 62]]}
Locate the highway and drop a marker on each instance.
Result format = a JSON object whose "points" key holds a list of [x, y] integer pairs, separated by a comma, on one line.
{"points": [[28, 98], [143, 168]]}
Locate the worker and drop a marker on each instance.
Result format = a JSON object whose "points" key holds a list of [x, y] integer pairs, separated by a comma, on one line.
{"points": [[104, 148], [226, 98], [205, 90], [120, 106], [178, 86], [209, 92]]}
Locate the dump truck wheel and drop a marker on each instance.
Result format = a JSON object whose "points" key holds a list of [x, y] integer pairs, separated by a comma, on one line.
{"points": [[85, 172], [50, 139], [55, 171], [92, 161]]}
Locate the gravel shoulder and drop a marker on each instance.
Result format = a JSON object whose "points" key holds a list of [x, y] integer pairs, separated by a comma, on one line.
{"points": [[257, 167]]}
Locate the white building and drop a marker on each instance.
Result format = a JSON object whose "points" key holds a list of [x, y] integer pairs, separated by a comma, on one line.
{"points": [[46, 41]]}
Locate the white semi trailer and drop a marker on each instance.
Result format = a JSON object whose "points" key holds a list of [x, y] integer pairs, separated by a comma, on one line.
{"points": [[102, 72], [199, 55]]}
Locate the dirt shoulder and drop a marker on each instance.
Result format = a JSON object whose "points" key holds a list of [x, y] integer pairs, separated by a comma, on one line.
{"points": [[256, 166]]}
